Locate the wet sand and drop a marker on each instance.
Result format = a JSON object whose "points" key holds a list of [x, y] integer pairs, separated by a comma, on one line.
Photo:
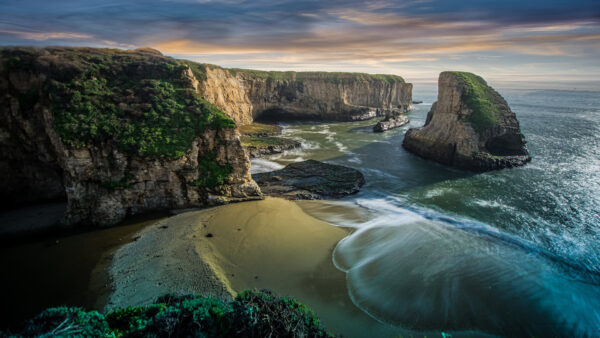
{"points": [[270, 244]]}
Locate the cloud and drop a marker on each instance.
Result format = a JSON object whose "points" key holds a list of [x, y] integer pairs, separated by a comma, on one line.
{"points": [[42, 36], [372, 35]]}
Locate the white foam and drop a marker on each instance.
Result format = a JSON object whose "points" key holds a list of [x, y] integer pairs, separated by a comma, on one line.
{"points": [[342, 148], [261, 165], [355, 159]]}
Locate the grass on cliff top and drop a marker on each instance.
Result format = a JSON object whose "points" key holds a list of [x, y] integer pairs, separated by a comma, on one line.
{"points": [[256, 129], [480, 100], [138, 99], [250, 314], [336, 77], [264, 141]]}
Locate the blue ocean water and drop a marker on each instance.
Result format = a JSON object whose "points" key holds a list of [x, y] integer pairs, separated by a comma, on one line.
{"points": [[509, 252]]}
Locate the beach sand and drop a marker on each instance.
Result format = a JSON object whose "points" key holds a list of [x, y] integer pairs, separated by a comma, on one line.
{"points": [[272, 244]]}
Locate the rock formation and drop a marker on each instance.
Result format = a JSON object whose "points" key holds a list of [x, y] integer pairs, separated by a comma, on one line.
{"points": [[390, 121], [246, 95], [113, 132], [310, 180], [117, 133], [258, 146], [469, 127]]}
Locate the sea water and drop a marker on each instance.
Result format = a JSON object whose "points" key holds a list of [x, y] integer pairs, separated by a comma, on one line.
{"points": [[509, 252]]}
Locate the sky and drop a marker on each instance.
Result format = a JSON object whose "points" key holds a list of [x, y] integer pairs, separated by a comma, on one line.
{"points": [[510, 40]]}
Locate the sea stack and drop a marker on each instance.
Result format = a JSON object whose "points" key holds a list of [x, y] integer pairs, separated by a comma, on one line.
{"points": [[469, 127]]}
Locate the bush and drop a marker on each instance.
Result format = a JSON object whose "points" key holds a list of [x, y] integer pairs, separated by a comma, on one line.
{"points": [[64, 321], [250, 314]]}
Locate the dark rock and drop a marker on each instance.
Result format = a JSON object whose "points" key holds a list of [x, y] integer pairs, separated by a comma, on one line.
{"points": [[310, 180], [469, 127], [260, 146], [417, 102], [391, 122]]}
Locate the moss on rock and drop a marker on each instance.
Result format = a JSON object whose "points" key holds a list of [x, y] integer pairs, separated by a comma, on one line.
{"points": [[478, 97]]}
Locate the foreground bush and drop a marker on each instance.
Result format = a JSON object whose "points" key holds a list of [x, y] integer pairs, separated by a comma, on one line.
{"points": [[250, 314]]}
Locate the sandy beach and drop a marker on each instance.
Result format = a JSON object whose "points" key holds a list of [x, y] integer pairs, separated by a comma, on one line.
{"points": [[272, 244]]}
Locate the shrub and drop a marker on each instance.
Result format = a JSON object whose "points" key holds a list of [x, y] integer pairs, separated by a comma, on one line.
{"points": [[250, 314], [64, 321]]}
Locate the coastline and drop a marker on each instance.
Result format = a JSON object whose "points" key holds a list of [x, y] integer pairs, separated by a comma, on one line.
{"points": [[272, 244]]}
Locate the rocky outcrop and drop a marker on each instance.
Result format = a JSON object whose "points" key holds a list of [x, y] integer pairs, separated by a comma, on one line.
{"points": [[258, 146], [246, 95], [469, 127], [310, 180], [115, 133], [391, 121]]}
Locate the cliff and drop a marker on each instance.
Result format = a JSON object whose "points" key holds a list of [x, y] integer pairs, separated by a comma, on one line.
{"points": [[113, 132], [248, 95], [469, 127]]}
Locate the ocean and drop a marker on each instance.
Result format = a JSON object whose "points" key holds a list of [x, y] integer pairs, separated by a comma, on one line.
{"points": [[509, 252]]}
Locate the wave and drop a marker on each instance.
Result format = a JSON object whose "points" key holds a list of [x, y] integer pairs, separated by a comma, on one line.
{"points": [[423, 270], [261, 165]]}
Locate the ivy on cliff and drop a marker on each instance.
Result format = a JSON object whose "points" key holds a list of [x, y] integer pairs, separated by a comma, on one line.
{"points": [[211, 174]]}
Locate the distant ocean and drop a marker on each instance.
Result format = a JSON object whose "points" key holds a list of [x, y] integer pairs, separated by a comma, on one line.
{"points": [[510, 252]]}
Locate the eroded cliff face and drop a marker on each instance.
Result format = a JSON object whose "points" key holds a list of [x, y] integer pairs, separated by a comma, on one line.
{"points": [[228, 93], [470, 127], [70, 134], [246, 95]]}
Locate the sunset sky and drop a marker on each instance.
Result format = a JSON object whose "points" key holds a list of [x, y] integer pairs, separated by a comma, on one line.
{"points": [[534, 40]]}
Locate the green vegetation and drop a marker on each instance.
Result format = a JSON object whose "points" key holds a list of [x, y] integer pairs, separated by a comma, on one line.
{"points": [[336, 77], [261, 141], [211, 173], [250, 314], [67, 322], [479, 98], [140, 100], [198, 69], [259, 129]]}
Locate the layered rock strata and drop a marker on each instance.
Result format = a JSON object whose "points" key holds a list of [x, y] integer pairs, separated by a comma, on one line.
{"points": [[247, 95]]}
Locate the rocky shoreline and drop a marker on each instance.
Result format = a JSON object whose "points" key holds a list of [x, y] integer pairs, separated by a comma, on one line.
{"points": [[391, 122], [310, 180]]}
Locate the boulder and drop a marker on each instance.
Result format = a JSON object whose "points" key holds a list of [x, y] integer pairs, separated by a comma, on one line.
{"points": [[311, 180], [390, 122]]}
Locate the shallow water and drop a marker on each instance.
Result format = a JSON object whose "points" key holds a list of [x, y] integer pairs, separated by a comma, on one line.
{"points": [[63, 269], [509, 252]]}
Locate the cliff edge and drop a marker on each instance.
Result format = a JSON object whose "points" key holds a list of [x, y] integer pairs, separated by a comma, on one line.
{"points": [[248, 95], [469, 127], [114, 133]]}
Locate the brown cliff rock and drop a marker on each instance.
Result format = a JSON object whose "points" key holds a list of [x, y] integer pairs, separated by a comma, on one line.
{"points": [[113, 132], [469, 127]]}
